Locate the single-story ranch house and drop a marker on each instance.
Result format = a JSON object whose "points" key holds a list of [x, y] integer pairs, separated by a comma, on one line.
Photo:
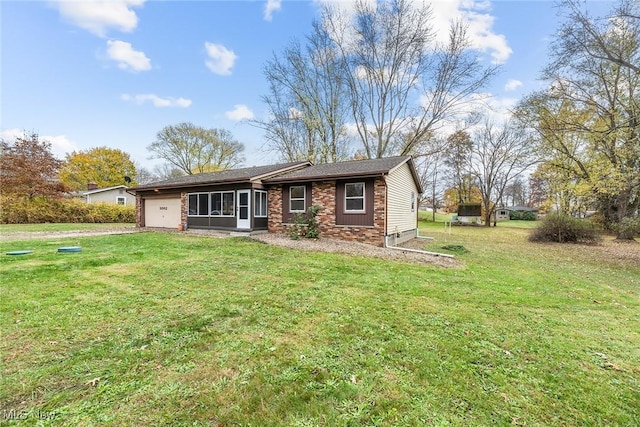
{"points": [[373, 201]]}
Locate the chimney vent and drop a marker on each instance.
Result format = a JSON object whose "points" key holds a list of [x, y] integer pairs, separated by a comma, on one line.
{"points": [[92, 186]]}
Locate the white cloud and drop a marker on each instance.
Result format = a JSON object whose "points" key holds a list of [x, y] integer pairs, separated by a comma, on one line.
{"points": [[270, 7], [239, 112], [512, 84], [99, 16], [220, 59], [60, 144], [156, 100], [127, 57]]}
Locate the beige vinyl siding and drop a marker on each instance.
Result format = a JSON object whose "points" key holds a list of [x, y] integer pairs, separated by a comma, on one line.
{"points": [[400, 184], [111, 196]]}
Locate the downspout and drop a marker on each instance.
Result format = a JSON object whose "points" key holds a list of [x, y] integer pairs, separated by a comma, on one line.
{"points": [[420, 251], [386, 209]]}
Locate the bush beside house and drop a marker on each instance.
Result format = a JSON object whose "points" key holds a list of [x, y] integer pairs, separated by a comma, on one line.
{"points": [[61, 210]]}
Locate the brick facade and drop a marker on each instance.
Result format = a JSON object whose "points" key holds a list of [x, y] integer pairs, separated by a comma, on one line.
{"points": [[184, 206], [139, 211], [324, 194]]}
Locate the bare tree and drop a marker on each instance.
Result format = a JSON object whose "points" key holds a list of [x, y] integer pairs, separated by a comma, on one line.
{"points": [[398, 79], [500, 154], [456, 157], [194, 149], [431, 171], [307, 108], [582, 34]]}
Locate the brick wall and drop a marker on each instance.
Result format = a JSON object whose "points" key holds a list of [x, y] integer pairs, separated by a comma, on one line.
{"points": [[324, 195], [274, 223], [139, 212], [183, 207]]}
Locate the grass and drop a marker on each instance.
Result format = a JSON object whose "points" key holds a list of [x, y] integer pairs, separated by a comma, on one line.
{"points": [[175, 329], [6, 230]]}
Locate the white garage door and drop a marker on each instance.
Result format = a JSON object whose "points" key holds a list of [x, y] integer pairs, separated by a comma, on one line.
{"points": [[164, 213]]}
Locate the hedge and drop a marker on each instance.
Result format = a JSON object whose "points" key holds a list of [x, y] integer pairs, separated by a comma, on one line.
{"points": [[43, 210]]}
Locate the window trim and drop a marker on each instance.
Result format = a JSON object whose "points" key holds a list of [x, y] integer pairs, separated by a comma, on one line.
{"points": [[257, 203], [124, 201], [222, 214], [363, 197], [413, 201], [197, 204], [303, 198]]}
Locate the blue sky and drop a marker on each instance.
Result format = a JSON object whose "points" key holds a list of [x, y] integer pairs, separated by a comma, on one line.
{"points": [[85, 74]]}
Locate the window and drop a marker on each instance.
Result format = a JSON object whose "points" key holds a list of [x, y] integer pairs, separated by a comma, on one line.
{"points": [[223, 203], [198, 204], [413, 201], [354, 197], [121, 200], [297, 198], [260, 204]]}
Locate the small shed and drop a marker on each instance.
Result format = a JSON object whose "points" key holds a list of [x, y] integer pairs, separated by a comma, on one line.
{"points": [[469, 213]]}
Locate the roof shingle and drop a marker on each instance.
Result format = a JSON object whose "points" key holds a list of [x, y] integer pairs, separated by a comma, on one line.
{"points": [[226, 176], [368, 167]]}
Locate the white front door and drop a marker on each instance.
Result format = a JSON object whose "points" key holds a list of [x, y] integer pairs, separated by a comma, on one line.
{"points": [[244, 209]]}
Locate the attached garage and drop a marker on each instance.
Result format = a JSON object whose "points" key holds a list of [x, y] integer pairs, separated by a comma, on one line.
{"points": [[162, 213]]}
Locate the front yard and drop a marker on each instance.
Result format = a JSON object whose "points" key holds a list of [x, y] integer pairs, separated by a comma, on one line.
{"points": [[176, 329]]}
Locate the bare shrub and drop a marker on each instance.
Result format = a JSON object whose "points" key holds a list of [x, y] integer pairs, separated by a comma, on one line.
{"points": [[562, 228]]}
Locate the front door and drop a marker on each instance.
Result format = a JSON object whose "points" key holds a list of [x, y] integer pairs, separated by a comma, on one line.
{"points": [[244, 209]]}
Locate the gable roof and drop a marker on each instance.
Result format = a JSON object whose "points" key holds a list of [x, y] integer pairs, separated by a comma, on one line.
{"points": [[102, 190], [230, 176], [348, 169]]}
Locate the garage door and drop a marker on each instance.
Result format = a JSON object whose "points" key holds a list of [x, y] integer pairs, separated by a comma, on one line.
{"points": [[164, 213]]}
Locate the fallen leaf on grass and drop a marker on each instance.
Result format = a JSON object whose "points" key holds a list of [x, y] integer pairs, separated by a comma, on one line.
{"points": [[93, 382], [612, 366], [504, 396], [353, 379]]}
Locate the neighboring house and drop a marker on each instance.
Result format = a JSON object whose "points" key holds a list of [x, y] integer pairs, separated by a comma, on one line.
{"points": [[501, 214], [114, 195], [372, 201]]}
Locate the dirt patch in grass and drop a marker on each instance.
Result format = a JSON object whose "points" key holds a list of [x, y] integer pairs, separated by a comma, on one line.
{"points": [[360, 249]]}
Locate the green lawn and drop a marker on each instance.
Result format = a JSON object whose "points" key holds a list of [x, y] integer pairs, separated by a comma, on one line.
{"points": [[9, 229], [177, 329]]}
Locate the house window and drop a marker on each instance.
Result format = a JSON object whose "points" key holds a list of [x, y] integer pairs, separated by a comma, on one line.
{"points": [[223, 203], [297, 198], [260, 204], [413, 201], [121, 200], [198, 204], [354, 197]]}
